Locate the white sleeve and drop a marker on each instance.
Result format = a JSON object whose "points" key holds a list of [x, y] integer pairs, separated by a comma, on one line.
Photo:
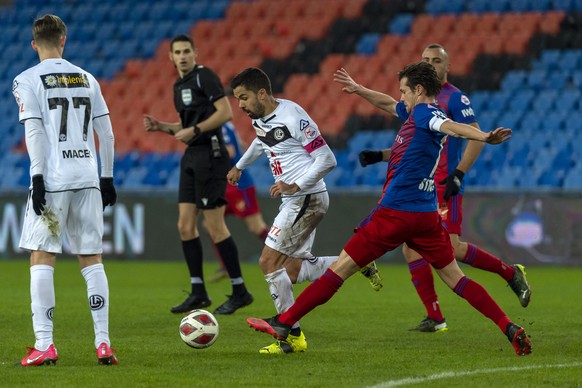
{"points": [[102, 125], [28, 104], [251, 155], [436, 122], [324, 163], [34, 134]]}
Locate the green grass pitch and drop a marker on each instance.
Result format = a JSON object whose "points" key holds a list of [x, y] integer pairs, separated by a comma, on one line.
{"points": [[359, 339]]}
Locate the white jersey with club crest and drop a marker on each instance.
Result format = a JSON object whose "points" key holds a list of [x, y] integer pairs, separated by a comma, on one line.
{"points": [[67, 99], [288, 136]]}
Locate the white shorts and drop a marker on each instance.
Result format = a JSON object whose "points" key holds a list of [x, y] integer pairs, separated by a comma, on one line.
{"points": [[76, 215], [293, 229]]}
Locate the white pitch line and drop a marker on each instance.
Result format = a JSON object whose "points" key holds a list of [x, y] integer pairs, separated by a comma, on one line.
{"points": [[446, 375]]}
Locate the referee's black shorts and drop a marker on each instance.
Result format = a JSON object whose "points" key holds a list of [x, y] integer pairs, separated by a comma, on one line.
{"points": [[203, 177]]}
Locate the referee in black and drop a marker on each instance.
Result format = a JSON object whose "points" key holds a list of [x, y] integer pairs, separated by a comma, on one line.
{"points": [[203, 107]]}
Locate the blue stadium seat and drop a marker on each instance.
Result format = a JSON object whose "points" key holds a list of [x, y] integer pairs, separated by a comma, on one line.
{"points": [[521, 100], [563, 5], [155, 178], [367, 44], [572, 179], [134, 177], [552, 178], [12, 177], [173, 179], [452, 6], [505, 178], [528, 181], [577, 79], [563, 159], [510, 119], [528, 5], [480, 177], [570, 60], [401, 24], [499, 101], [216, 9], [537, 79], [549, 60], [488, 120], [521, 157], [514, 80], [334, 176], [532, 120], [545, 100]]}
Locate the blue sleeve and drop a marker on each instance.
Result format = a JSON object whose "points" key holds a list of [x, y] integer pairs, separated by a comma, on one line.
{"points": [[422, 116], [424, 113], [401, 111], [460, 109]]}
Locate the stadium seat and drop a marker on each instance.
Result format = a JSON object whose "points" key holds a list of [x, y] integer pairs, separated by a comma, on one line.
{"points": [[367, 44], [521, 100], [400, 25]]}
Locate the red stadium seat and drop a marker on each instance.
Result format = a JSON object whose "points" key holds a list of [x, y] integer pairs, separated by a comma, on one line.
{"points": [[551, 22], [331, 63], [352, 9], [422, 25]]}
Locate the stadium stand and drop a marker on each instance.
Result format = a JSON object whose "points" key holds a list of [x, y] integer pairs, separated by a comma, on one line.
{"points": [[519, 60]]}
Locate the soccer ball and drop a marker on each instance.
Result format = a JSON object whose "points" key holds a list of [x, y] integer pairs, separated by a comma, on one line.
{"points": [[199, 329]]}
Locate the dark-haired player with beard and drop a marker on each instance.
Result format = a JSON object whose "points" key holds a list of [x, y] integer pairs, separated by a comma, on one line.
{"points": [[299, 159]]}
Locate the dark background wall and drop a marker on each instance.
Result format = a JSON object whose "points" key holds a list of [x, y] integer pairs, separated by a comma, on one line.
{"points": [[520, 228]]}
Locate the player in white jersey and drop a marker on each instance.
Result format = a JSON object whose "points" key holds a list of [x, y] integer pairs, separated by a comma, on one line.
{"points": [[61, 106], [299, 159]]}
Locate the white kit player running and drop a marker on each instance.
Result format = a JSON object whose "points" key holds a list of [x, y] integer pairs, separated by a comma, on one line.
{"points": [[299, 159], [60, 106]]}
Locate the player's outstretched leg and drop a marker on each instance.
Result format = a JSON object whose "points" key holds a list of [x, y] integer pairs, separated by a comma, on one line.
{"points": [[520, 286], [373, 274], [271, 326]]}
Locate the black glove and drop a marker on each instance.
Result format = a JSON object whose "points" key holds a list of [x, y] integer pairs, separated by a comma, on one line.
{"points": [[108, 194], [38, 191], [370, 157], [453, 183]]}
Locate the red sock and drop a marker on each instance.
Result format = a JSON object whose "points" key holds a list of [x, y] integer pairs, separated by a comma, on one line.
{"points": [[264, 233], [423, 281], [479, 298], [318, 292], [478, 258]]}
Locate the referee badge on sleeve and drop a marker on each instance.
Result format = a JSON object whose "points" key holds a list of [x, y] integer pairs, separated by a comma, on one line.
{"points": [[187, 96]]}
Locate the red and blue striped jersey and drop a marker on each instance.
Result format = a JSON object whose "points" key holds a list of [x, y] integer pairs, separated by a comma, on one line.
{"points": [[458, 107], [414, 158]]}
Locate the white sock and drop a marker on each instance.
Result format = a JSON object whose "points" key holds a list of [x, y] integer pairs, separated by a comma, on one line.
{"points": [[281, 290], [42, 297], [98, 292], [313, 268]]}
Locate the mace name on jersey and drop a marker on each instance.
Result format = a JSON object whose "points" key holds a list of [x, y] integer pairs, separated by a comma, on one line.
{"points": [[67, 99]]}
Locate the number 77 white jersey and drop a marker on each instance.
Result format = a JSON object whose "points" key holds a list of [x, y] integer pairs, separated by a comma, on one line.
{"points": [[67, 99]]}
